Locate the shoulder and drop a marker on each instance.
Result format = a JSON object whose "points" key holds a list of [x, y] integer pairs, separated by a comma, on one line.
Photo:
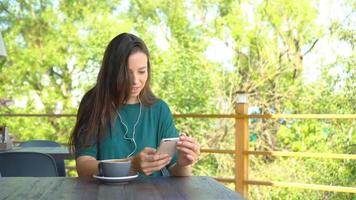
{"points": [[160, 106]]}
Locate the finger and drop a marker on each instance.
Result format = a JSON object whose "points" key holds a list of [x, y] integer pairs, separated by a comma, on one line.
{"points": [[157, 157], [158, 163], [147, 153], [186, 138], [196, 147], [183, 134], [154, 157], [187, 151], [158, 167], [182, 137], [191, 145], [185, 143], [149, 150], [191, 158], [147, 171], [161, 154]]}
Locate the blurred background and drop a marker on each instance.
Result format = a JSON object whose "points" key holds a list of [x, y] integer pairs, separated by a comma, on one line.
{"points": [[291, 57]]}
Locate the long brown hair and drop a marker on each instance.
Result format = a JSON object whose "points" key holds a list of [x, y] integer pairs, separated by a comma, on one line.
{"points": [[98, 108]]}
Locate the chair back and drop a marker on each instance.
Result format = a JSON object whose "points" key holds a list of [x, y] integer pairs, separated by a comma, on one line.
{"points": [[47, 143], [39, 143], [15, 164]]}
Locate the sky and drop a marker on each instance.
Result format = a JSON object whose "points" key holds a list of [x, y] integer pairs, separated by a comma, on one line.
{"points": [[328, 48]]}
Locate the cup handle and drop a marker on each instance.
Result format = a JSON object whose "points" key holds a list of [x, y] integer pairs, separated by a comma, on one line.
{"points": [[100, 169]]}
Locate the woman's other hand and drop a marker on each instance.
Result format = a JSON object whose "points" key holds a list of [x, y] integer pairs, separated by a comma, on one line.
{"points": [[189, 151], [147, 161]]}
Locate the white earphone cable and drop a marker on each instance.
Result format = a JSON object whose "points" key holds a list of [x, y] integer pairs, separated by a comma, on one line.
{"points": [[134, 128]]}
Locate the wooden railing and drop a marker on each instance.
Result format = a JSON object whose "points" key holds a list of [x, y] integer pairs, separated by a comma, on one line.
{"points": [[241, 179], [242, 152]]}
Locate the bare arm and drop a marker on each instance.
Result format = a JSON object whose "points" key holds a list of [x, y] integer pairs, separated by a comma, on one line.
{"points": [[177, 170], [189, 151], [87, 166]]}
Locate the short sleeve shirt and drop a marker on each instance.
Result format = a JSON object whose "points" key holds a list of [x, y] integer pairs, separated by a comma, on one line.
{"points": [[153, 123]]}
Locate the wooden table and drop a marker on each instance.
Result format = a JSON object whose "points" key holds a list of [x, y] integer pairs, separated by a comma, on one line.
{"points": [[55, 152], [155, 188]]}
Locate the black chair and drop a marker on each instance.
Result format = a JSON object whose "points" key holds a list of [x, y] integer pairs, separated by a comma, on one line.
{"points": [[47, 143], [15, 164]]}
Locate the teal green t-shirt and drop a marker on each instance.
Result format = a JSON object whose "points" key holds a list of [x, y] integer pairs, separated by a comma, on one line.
{"points": [[155, 122]]}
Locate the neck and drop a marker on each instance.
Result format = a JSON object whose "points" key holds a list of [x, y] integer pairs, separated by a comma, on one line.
{"points": [[132, 100]]}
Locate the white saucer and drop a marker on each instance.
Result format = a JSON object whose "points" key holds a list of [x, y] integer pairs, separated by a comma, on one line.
{"points": [[121, 179]]}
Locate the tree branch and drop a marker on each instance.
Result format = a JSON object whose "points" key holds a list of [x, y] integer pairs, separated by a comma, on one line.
{"points": [[311, 47]]}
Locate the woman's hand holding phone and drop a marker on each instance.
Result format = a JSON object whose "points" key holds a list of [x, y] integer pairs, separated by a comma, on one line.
{"points": [[148, 161], [189, 151]]}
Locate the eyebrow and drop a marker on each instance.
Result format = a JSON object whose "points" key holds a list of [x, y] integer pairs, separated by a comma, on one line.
{"points": [[142, 68]]}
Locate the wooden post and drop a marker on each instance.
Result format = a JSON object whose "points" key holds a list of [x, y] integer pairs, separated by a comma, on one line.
{"points": [[241, 147]]}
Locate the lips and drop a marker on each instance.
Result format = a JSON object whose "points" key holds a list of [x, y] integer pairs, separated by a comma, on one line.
{"points": [[135, 89]]}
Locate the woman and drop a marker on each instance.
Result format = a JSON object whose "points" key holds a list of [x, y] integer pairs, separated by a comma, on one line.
{"points": [[120, 117]]}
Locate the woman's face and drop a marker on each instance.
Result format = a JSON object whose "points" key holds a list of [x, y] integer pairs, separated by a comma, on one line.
{"points": [[137, 64]]}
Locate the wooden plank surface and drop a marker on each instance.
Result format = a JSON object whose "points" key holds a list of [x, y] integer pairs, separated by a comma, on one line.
{"points": [[147, 188]]}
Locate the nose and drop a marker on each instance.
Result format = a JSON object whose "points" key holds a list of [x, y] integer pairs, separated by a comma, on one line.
{"points": [[134, 79]]}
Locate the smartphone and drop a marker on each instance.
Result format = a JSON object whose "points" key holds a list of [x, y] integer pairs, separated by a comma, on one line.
{"points": [[168, 146]]}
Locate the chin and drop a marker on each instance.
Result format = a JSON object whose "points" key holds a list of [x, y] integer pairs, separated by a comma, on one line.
{"points": [[135, 94]]}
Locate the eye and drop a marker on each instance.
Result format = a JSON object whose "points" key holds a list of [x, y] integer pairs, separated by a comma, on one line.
{"points": [[142, 71]]}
